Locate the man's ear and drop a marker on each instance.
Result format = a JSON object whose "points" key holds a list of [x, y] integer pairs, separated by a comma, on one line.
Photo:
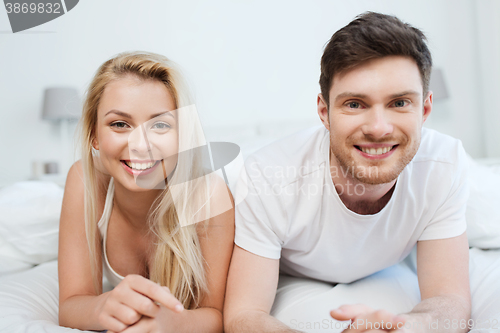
{"points": [[323, 111], [427, 106]]}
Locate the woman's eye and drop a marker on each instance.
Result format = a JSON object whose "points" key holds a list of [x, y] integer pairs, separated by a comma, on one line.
{"points": [[119, 124], [161, 126], [400, 103]]}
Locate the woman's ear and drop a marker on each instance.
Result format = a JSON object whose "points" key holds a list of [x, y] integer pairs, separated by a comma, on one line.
{"points": [[95, 144]]}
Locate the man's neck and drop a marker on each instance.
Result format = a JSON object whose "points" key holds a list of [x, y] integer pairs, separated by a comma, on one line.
{"points": [[357, 196]]}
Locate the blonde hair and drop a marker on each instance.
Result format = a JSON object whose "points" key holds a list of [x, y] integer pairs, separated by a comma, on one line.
{"points": [[178, 262]]}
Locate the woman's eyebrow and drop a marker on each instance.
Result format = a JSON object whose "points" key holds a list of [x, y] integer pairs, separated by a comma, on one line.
{"points": [[126, 115], [167, 113], [120, 113]]}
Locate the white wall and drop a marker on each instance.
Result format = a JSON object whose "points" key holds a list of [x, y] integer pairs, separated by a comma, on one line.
{"points": [[488, 51], [249, 62]]}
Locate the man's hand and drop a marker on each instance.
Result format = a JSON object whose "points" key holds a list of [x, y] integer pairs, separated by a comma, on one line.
{"points": [[365, 319]]}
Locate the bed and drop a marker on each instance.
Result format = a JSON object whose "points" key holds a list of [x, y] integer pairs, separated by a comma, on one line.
{"points": [[29, 215]]}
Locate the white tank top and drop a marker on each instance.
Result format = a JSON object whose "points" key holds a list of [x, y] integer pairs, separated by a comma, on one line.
{"points": [[113, 277]]}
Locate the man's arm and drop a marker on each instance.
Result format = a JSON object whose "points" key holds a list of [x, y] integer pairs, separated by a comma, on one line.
{"points": [[443, 277], [251, 288]]}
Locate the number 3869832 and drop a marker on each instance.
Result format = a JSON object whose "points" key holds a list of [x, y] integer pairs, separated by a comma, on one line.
{"points": [[32, 8]]}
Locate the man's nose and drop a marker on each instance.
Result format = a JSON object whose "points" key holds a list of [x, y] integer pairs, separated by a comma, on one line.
{"points": [[377, 123], [138, 141]]}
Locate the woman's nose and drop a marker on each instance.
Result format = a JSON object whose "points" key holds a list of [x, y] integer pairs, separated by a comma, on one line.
{"points": [[138, 141], [377, 123]]}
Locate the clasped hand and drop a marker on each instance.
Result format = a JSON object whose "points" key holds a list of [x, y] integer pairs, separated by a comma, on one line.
{"points": [[133, 305]]}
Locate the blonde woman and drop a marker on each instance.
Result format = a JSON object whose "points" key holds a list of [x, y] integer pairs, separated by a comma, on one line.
{"points": [[138, 209]]}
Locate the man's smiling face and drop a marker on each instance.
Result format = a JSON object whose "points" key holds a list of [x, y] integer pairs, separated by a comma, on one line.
{"points": [[375, 118]]}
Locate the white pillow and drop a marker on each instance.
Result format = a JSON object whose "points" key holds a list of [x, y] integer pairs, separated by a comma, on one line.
{"points": [[483, 214], [29, 221]]}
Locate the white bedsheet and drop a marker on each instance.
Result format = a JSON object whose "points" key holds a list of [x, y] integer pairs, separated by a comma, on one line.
{"points": [[29, 299], [304, 304], [29, 295], [9, 265]]}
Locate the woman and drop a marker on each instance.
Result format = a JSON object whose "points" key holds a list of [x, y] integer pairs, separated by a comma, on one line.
{"points": [[138, 208]]}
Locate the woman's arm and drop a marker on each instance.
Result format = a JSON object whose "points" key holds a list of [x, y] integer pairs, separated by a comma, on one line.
{"points": [[80, 306], [216, 241], [77, 298]]}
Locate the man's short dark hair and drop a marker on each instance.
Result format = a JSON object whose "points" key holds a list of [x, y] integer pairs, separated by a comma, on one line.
{"points": [[370, 36]]}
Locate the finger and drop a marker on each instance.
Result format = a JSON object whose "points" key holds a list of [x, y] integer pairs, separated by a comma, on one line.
{"points": [[376, 320], [141, 304], [142, 326], [350, 311], [111, 323], [126, 314], [154, 292], [386, 319]]}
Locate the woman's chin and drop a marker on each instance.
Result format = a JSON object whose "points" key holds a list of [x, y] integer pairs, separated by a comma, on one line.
{"points": [[151, 183]]}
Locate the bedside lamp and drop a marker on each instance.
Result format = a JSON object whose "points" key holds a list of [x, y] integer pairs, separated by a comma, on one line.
{"points": [[437, 85], [61, 105]]}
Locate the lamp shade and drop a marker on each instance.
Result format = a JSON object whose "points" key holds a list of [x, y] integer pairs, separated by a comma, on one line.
{"points": [[61, 103], [437, 85]]}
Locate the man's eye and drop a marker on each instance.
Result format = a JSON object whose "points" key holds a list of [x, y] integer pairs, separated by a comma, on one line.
{"points": [[354, 105], [119, 124], [400, 103]]}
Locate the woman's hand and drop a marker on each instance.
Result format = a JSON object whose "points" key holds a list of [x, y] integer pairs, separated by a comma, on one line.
{"points": [[144, 325], [133, 301]]}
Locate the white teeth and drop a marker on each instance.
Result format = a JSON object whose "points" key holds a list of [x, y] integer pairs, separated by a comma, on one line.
{"points": [[375, 151], [140, 166]]}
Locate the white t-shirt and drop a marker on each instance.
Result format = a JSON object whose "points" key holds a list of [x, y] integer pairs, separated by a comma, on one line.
{"points": [[293, 211]]}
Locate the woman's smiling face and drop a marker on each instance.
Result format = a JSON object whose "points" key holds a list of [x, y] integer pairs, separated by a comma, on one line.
{"points": [[137, 132]]}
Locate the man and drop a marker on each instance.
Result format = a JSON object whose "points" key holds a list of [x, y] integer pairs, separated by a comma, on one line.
{"points": [[341, 202]]}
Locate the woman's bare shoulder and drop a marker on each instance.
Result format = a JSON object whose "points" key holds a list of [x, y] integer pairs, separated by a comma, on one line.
{"points": [[220, 201], [221, 196], [75, 182]]}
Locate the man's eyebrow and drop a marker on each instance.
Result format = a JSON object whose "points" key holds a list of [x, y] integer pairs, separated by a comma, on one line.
{"points": [[357, 95], [349, 94], [126, 115], [404, 93]]}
